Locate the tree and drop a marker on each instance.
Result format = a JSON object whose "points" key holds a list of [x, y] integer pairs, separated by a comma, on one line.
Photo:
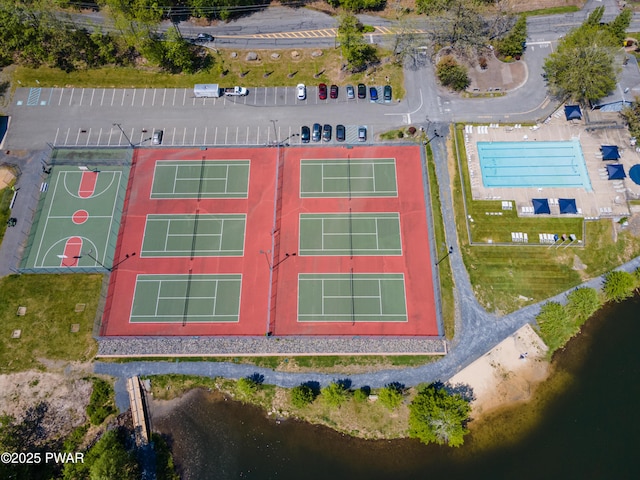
{"points": [[514, 42], [101, 403], [582, 67], [451, 74], [302, 395], [436, 416], [618, 285], [581, 304], [335, 394], [620, 24], [462, 27], [406, 42], [355, 51], [555, 325], [391, 395], [632, 115]]}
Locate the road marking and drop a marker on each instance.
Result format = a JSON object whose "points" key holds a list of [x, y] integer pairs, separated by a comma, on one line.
{"points": [[237, 132], [215, 136], [226, 134], [204, 142], [56, 138], [61, 94], [153, 100], [258, 136], [78, 136], [124, 92], [113, 96], [81, 97], [194, 135], [173, 138], [247, 139], [144, 96], [71, 98], [184, 97], [66, 139], [184, 136], [104, 90], [99, 136], [88, 136], [110, 133], [131, 136], [92, 94], [175, 92], [133, 99], [164, 95]]}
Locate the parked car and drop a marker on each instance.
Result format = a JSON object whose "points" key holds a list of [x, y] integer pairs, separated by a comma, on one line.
{"points": [[326, 133], [373, 94], [322, 91], [316, 132], [204, 37], [305, 134], [157, 137], [351, 94], [362, 134], [333, 91], [340, 133], [301, 91], [387, 93], [362, 90]]}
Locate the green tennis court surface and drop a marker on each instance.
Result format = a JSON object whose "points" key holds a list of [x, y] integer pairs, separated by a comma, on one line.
{"points": [[348, 178], [194, 235], [350, 234], [55, 223], [201, 179], [360, 297], [186, 298]]}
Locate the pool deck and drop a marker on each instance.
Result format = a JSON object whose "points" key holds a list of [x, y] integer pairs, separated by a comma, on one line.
{"points": [[608, 198]]}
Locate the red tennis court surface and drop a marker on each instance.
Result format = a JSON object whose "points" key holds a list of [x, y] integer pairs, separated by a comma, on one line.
{"points": [[259, 313]]}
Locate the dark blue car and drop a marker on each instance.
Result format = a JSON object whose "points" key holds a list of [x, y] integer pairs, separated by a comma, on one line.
{"points": [[373, 94]]}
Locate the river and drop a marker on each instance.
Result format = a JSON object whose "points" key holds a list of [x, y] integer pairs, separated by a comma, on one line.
{"points": [[582, 423]]}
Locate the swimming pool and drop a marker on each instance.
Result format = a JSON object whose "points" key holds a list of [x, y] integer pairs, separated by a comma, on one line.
{"points": [[533, 164]]}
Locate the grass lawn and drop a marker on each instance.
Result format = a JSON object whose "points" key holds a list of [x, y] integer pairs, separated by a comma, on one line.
{"points": [[506, 278], [46, 334], [264, 72], [6, 194]]}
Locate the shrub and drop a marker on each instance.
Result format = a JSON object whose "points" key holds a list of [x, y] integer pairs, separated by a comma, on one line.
{"points": [[335, 394], [101, 403], [451, 74], [361, 394], [618, 285], [247, 386], [582, 303], [513, 44], [411, 130], [302, 395], [555, 325], [483, 63], [391, 395]]}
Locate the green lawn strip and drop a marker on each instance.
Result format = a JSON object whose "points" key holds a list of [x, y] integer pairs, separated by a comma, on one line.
{"points": [[552, 11], [441, 244], [239, 72], [6, 194], [50, 302], [602, 253]]}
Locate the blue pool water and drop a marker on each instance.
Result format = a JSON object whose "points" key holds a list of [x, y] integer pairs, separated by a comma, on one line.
{"points": [[533, 164]]}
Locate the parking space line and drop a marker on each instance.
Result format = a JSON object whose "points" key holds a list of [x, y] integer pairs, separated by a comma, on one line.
{"points": [[88, 136], [184, 97], [56, 137], [175, 92], [104, 90], [265, 95], [110, 133], [78, 136], [275, 98], [258, 136], [133, 98], [81, 96], [237, 131], [120, 138], [99, 136], [124, 92], [247, 139], [194, 135], [153, 99], [66, 138], [255, 96], [173, 138], [184, 136], [226, 134], [164, 95], [289, 137], [215, 137], [204, 141], [131, 136], [93, 92], [113, 97], [71, 98]]}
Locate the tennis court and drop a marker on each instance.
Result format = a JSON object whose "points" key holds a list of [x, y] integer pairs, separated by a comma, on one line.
{"points": [[194, 235], [351, 298], [350, 234], [201, 179], [345, 178], [186, 298], [78, 218]]}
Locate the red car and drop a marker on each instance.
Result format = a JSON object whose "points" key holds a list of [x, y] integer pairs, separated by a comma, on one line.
{"points": [[333, 91], [322, 91]]}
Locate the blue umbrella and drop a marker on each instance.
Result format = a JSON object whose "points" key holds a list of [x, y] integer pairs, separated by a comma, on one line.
{"points": [[567, 205], [540, 205]]}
